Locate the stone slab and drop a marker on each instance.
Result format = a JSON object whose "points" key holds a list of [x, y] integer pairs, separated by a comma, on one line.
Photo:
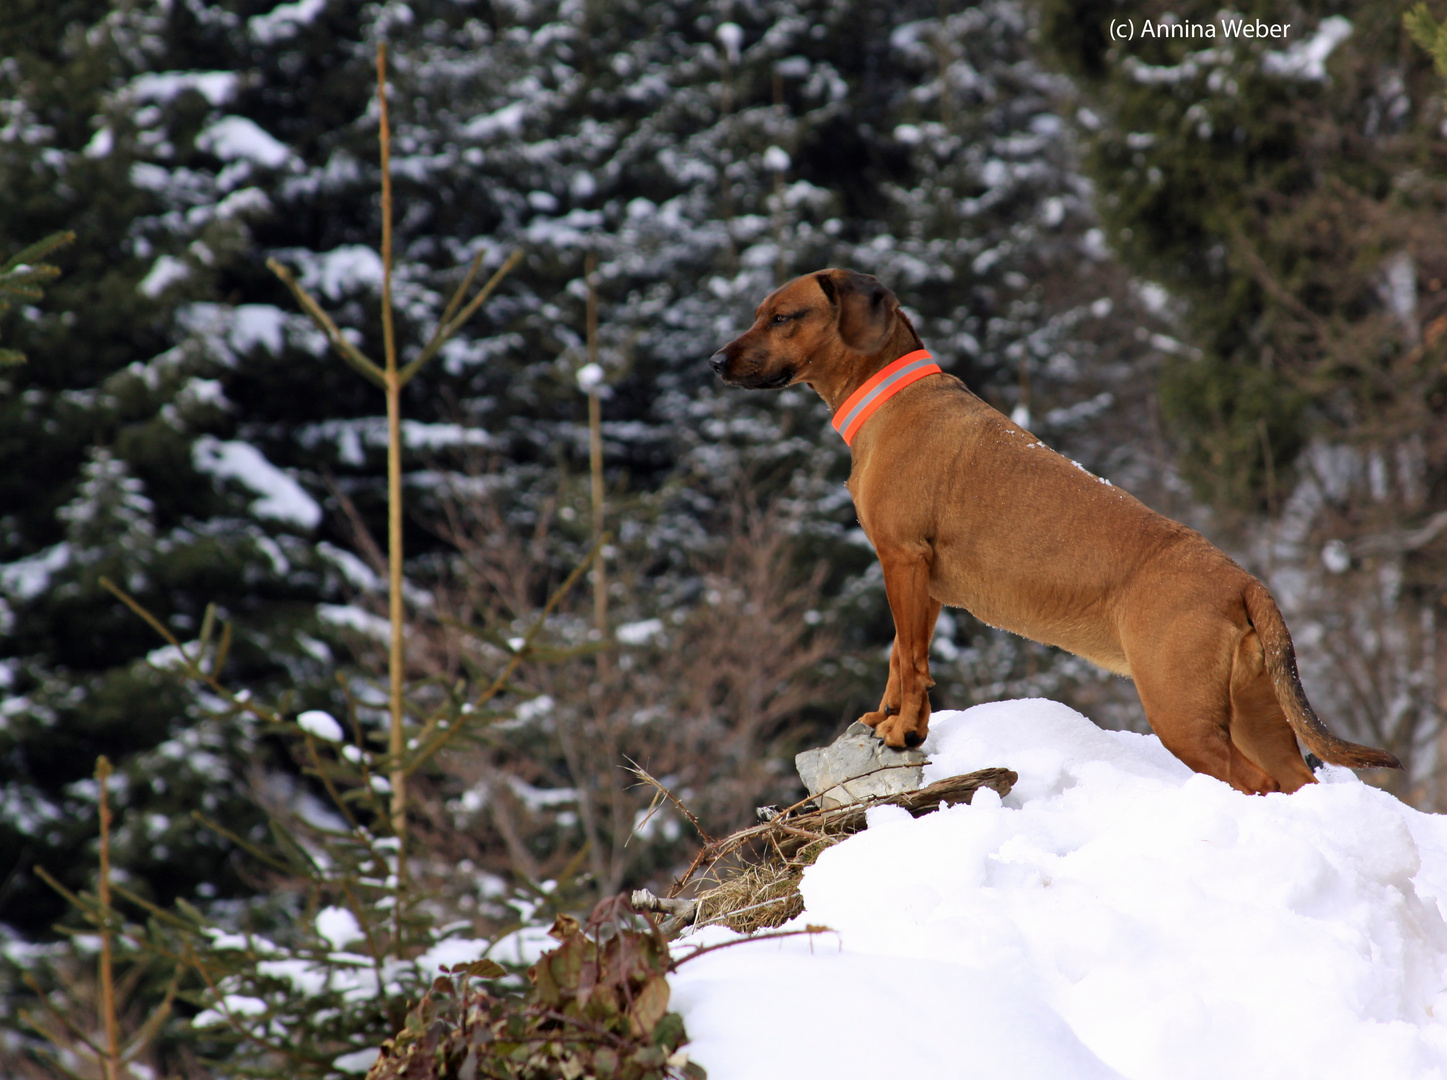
{"points": [[858, 765]]}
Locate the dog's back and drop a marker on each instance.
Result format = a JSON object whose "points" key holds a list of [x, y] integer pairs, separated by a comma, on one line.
{"points": [[1024, 538]]}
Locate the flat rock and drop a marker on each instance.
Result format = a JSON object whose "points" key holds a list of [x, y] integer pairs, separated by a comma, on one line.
{"points": [[856, 766]]}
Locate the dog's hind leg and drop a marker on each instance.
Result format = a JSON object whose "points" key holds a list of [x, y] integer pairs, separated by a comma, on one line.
{"points": [[1203, 742], [1192, 717], [1258, 724], [902, 718]]}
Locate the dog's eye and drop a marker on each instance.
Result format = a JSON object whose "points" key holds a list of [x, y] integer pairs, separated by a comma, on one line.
{"points": [[779, 320]]}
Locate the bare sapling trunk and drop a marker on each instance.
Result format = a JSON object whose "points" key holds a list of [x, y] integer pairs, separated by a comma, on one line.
{"points": [[111, 1059], [396, 653]]}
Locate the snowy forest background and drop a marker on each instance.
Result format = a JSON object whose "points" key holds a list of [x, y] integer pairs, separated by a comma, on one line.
{"points": [[1210, 271]]}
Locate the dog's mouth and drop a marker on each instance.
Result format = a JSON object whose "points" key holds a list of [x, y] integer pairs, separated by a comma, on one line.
{"points": [[756, 380]]}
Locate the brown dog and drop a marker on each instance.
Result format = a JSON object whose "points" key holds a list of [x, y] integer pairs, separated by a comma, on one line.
{"points": [[966, 508]]}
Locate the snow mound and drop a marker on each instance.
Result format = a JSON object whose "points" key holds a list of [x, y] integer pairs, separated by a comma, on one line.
{"points": [[1116, 916]]}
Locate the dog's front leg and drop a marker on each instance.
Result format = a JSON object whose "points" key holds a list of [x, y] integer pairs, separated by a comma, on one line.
{"points": [[902, 718]]}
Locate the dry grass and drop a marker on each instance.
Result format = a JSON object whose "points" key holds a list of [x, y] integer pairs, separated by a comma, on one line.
{"points": [[750, 896], [749, 880]]}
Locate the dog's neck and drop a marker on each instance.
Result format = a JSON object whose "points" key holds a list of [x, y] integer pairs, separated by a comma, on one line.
{"points": [[852, 370]]}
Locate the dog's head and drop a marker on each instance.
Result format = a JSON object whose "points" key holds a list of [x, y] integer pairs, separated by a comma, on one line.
{"points": [[809, 321]]}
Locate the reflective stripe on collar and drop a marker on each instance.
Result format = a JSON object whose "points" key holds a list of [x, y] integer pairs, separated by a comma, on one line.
{"points": [[879, 388]]}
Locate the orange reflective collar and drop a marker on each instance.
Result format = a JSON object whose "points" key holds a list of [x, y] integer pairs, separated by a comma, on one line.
{"points": [[879, 388]]}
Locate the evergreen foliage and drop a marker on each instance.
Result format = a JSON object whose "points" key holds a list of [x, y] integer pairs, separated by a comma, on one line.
{"points": [[184, 439], [20, 277], [311, 981], [290, 1005], [1428, 33], [1270, 184]]}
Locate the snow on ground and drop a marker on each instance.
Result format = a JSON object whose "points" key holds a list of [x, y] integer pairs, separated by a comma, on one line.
{"points": [[1116, 916]]}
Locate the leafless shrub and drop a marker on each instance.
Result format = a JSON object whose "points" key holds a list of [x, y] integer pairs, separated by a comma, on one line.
{"points": [[707, 691]]}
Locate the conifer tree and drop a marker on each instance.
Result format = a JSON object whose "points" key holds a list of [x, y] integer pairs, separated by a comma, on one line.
{"points": [[185, 438]]}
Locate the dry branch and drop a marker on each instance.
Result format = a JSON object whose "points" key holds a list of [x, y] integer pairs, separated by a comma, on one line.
{"points": [[764, 893], [791, 832]]}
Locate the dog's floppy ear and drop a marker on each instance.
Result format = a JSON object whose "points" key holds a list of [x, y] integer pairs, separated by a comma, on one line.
{"points": [[826, 284], [865, 308]]}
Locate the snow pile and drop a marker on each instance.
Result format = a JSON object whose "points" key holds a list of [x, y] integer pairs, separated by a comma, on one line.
{"points": [[1117, 915]]}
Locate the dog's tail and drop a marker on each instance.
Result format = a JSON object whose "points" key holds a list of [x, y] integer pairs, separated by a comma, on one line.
{"points": [[1266, 617]]}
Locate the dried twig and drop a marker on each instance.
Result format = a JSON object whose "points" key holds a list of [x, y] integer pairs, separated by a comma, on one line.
{"points": [[808, 931], [764, 893], [663, 793], [793, 833]]}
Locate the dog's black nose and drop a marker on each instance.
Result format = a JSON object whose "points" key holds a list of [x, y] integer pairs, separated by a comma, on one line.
{"points": [[717, 361]]}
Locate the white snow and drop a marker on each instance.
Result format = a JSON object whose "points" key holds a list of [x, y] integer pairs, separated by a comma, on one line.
{"points": [[1116, 916], [358, 574], [164, 272], [216, 87], [283, 21], [232, 1005], [27, 578], [590, 378], [776, 159], [1336, 557], [1306, 59], [101, 144], [731, 36], [341, 270], [235, 138], [449, 952], [536, 798], [282, 498], [232, 332], [1399, 290], [172, 657], [419, 435], [1155, 297], [640, 632], [251, 200], [324, 726], [505, 121], [259, 324], [354, 618], [358, 1061], [337, 926]]}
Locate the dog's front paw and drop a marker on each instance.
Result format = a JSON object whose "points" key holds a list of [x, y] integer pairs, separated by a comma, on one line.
{"points": [[886, 724], [896, 731], [879, 716]]}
